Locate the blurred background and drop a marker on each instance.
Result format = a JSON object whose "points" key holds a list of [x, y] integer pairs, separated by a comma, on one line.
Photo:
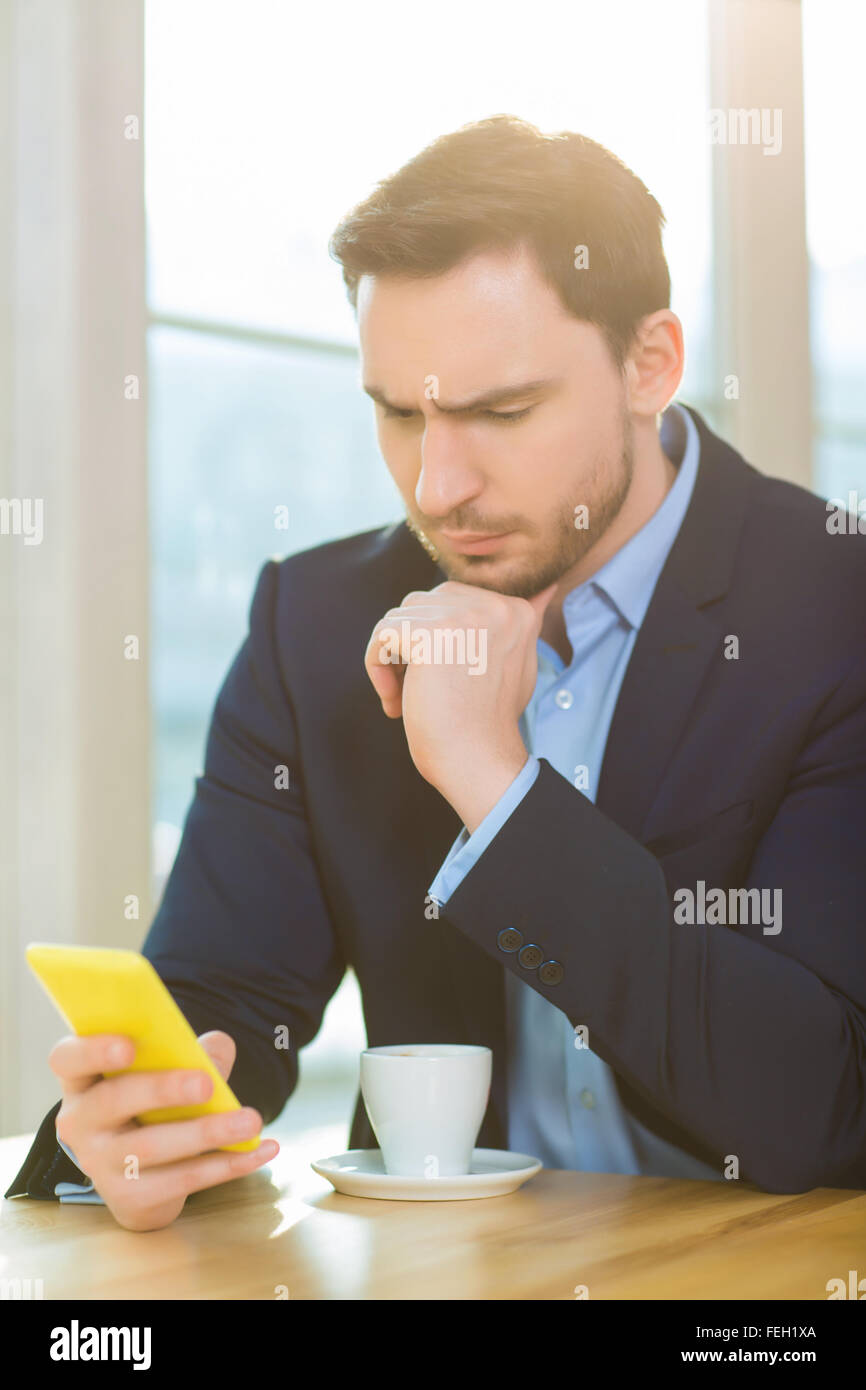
{"points": [[179, 372]]}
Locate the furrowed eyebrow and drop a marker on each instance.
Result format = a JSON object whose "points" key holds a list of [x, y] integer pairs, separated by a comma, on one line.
{"points": [[499, 396]]}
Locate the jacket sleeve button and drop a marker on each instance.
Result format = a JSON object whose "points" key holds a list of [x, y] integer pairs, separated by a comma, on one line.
{"points": [[551, 972], [531, 957], [510, 939]]}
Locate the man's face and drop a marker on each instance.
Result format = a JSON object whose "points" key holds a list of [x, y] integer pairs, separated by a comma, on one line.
{"points": [[494, 325]]}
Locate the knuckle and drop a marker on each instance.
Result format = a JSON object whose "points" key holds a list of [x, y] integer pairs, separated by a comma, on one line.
{"points": [[98, 1141], [87, 1159], [170, 1088], [239, 1162], [213, 1131]]}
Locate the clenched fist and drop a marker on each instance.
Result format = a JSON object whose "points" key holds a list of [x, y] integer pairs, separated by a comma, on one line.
{"points": [[459, 664]]}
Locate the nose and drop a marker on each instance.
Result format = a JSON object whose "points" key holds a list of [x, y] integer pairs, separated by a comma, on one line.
{"points": [[448, 479]]}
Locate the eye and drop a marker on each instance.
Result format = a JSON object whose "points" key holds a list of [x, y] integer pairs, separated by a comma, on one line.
{"points": [[508, 416]]}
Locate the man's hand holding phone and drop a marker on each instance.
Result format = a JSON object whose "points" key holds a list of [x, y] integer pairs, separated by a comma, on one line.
{"points": [[96, 1121]]}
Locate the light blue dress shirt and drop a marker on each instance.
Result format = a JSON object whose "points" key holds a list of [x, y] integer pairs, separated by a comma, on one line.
{"points": [[563, 1103]]}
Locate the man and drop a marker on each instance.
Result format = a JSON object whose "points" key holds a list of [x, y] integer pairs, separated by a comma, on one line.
{"points": [[571, 764]]}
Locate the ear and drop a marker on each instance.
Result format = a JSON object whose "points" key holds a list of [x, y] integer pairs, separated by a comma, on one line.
{"points": [[654, 367]]}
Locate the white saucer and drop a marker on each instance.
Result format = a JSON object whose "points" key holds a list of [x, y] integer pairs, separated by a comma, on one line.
{"points": [[361, 1173]]}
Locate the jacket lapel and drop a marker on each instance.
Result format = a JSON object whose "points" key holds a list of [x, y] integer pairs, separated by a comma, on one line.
{"points": [[677, 642]]}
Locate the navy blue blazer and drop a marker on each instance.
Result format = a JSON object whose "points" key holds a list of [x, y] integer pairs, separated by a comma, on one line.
{"points": [[746, 772]]}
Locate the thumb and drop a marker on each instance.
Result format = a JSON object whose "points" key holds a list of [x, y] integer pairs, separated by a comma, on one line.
{"points": [[221, 1049], [540, 601]]}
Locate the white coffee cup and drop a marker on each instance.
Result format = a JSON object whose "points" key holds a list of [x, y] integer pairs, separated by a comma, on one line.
{"points": [[426, 1102]]}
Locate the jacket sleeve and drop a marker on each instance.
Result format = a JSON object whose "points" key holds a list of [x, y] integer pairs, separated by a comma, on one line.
{"points": [[754, 1043], [48, 1173], [242, 937]]}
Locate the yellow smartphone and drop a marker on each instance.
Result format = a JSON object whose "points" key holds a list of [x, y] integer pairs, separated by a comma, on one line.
{"points": [[112, 991]]}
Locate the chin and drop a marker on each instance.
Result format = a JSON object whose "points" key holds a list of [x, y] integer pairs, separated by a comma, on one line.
{"points": [[489, 573]]}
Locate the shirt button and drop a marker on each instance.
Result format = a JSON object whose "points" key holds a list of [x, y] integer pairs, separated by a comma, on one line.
{"points": [[587, 1099], [564, 699], [509, 939]]}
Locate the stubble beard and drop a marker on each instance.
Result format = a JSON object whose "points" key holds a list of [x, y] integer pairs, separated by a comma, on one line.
{"points": [[607, 491]]}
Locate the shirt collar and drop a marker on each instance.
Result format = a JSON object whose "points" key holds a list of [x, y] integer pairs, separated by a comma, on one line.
{"points": [[629, 577]]}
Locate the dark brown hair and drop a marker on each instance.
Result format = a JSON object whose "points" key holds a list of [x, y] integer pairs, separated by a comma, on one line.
{"points": [[500, 183]]}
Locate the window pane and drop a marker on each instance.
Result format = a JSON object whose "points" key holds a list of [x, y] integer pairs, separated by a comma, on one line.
{"points": [[267, 122], [238, 431]]}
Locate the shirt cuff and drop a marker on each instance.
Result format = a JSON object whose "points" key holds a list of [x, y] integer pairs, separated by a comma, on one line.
{"points": [[75, 1192], [467, 849]]}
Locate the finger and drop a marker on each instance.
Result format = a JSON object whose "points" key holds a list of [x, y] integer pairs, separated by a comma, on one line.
{"points": [[450, 590], [116, 1101], [393, 633], [221, 1049], [409, 610], [171, 1140], [458, 589], [415, 597], [386, 675], [175, 1180], [80, 1062], [428, 612]]}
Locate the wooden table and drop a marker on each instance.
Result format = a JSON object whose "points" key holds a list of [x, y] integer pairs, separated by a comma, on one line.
{"points": [[284, 1232]]}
